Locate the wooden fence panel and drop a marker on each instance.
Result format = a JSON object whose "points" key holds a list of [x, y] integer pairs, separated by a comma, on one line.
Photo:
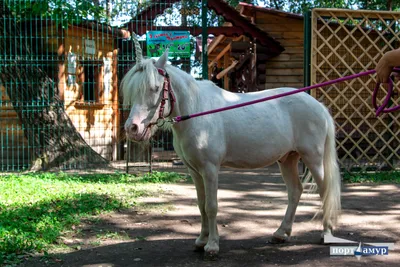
{"points": [[346, 42]]}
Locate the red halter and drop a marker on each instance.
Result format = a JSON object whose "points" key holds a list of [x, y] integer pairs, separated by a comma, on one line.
{"points": [[167, 93]]}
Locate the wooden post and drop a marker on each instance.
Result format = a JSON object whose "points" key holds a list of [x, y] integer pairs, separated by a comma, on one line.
{"points": [[61, 71], [226, 65], [115, 106], [253, 64], [307, 48]]}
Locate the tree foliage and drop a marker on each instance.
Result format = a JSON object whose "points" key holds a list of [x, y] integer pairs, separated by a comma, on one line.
{"points": [[68, 10], [303, 5], [117, 12]]}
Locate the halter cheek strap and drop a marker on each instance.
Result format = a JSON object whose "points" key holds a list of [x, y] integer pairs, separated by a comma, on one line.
{"points": [[167, 93]]}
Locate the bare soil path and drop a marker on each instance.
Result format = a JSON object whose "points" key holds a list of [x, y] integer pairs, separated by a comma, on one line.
{"points": [[251, 207]]}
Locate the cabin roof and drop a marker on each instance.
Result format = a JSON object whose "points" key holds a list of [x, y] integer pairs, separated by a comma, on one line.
{"points": [[248, 10], [240, 24]]}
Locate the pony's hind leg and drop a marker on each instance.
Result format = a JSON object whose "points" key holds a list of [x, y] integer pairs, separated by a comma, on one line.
{"points": [[316, 166], [323, 165], [202, 240], [290, 174]]}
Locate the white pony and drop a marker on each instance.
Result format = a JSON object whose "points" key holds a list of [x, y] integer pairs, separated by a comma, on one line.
{"points": [[281, 130]]}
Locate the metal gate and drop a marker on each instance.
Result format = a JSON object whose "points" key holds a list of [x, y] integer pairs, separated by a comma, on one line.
{"points": [[345, 42]]}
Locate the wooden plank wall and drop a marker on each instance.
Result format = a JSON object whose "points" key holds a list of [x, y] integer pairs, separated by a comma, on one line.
{"points": [[287, 68], [97, 122]]}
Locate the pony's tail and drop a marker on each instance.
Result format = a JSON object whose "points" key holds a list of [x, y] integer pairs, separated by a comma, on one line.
{"points": [[332, 182]]}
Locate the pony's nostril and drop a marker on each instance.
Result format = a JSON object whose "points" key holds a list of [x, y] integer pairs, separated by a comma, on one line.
{"points": [[134, 128]]}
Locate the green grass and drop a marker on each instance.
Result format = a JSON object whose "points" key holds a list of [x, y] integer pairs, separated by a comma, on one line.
{"points": [[37, 209], [372, 177]]}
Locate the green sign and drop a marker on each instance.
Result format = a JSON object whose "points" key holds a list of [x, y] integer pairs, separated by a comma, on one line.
{"points": [[178, 43]]}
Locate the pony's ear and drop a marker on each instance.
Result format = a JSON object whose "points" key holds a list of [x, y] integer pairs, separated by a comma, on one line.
{"points": [[162, 61]]}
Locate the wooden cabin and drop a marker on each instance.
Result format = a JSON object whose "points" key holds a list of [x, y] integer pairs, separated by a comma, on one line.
{"points": [[247, 64], [88, 83], [82, 61], [286, 69], [237, 59]]}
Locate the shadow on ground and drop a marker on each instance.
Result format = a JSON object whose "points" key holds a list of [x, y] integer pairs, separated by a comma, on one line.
{"points": [[251, 207]]}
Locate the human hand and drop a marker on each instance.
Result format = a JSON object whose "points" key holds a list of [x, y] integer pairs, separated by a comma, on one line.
{"points": [[383, 70], [385, 65]]}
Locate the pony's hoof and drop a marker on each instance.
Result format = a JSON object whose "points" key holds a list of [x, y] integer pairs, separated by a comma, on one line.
{"points": [[200, 244], [211, 256], [277, 240]]}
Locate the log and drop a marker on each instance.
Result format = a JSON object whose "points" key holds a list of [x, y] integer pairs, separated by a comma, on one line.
{"points": [[215, 43], [240, 46], [225, 71], [220, 55]]}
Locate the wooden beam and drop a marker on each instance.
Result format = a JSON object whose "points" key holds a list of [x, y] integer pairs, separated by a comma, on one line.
{"points": [[240, 46], [243, 61], [215, 43], [225, 71], [239, 38], [220, 55], [226, 65]]}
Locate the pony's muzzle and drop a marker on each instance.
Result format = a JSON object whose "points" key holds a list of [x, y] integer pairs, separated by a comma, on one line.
{"points": [[132, 132], [138, 132], [133, 129]]}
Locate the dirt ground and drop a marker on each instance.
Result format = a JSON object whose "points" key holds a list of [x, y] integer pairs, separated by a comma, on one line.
{"points": [[251, 207]]}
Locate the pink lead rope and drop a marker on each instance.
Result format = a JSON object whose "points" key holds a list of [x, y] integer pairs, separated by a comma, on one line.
{"points": [[379, 109]]}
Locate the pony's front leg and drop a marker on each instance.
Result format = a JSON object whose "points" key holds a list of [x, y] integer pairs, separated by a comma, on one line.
{"points": [[210, 178], [201, 241]]}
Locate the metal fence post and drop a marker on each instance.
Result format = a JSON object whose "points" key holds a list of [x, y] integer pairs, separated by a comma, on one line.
{"points": [[128, 155], [204, 39]]}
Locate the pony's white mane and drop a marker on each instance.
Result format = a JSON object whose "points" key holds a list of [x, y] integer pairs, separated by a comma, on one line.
{"points": [[183, 83], [145, 75], [141, 75]]}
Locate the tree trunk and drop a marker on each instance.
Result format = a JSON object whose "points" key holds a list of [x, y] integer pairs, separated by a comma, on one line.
{"points": [[184, 13], [389, 5], [35, 98]]}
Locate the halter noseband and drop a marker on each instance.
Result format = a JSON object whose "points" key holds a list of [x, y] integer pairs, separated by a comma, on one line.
{"points": [[167, 93]]}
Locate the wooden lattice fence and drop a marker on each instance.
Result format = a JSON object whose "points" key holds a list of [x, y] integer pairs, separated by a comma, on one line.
{"points": [[346, 42]]}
